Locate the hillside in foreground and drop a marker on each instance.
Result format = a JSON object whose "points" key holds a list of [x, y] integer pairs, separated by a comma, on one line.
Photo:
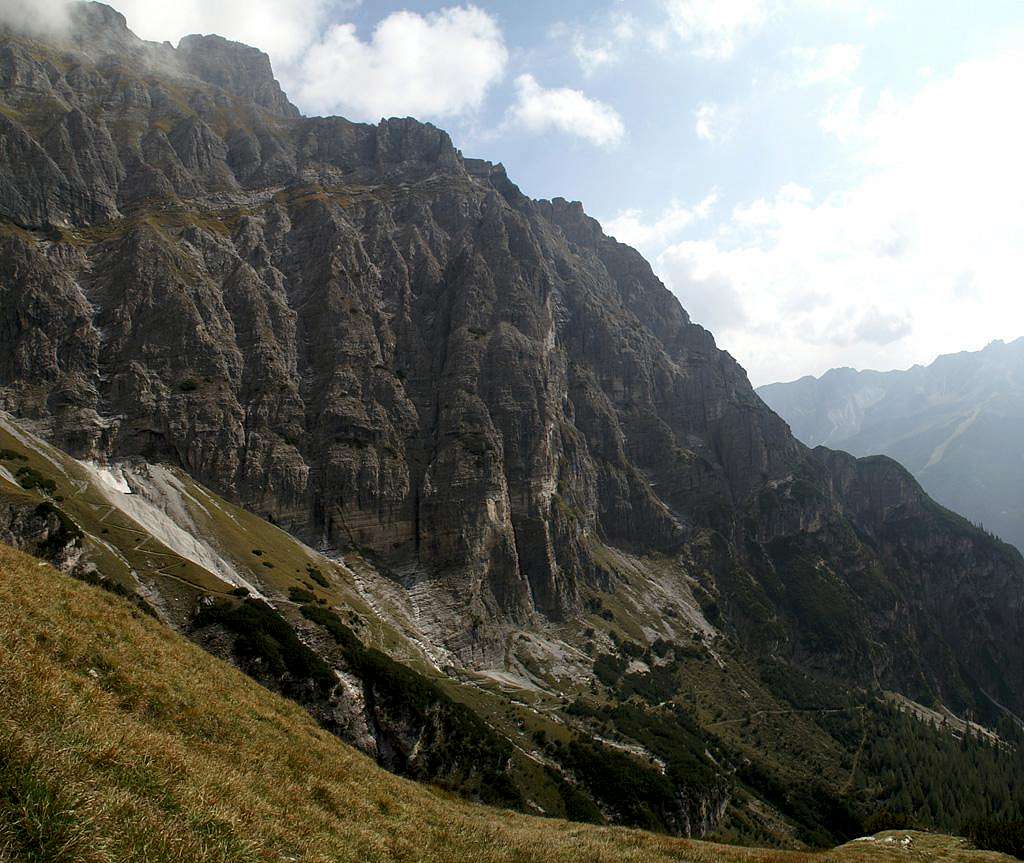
{"points": [[119, 740]]}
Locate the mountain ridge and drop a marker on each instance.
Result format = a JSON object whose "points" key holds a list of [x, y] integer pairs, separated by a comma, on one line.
{"points": [[359, 426], [387, 350], [952, 423]]}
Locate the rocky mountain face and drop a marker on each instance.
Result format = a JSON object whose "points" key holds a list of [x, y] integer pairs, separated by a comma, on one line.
{"points": [[385, 348], [956, 424], [354, 330], [375, 342]]}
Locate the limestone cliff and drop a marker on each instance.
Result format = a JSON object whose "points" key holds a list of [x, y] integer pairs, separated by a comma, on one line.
{"points": [[377, 343]]}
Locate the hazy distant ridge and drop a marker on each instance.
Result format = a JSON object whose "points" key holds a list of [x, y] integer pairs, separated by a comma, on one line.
{"points": [[957, 424]]}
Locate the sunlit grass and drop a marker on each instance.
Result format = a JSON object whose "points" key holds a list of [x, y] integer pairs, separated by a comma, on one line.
{"points": [[121, 741]]}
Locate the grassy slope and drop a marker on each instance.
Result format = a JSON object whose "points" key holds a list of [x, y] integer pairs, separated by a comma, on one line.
{"points": [[111, 538], [119, 740]]}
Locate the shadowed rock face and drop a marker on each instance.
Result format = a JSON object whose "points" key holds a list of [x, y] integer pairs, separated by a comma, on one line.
{"points": [[375, 342]]}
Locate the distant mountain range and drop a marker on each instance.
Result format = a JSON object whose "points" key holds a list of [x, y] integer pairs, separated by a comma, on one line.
{"points": [[957, 424]]}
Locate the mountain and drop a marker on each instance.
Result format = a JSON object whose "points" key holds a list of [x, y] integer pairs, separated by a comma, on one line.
{"points": [[121, 741], [454, 471], [956, 424]]}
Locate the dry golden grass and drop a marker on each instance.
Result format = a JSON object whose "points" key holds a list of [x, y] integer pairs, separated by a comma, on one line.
{"points": [[121, 741]]}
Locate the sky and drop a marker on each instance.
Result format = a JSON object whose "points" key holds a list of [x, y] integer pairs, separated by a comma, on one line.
{"points": [[821, 182]]}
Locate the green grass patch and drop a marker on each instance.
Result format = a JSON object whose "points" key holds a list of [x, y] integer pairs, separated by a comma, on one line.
{"points": [[300, 595], [32, 480]]}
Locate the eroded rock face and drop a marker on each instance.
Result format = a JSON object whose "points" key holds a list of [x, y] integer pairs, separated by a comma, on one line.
{"points": [[40, 530], [240, 70], [375, 342]]}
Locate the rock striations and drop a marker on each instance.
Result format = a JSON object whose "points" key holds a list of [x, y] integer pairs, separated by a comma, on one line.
{"points": [[377, 343]]}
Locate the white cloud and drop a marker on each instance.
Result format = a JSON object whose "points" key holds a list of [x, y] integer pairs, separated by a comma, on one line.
{"points": [[842, 115], [592, 56], [712, 122], [706, 117], [920, 252], [825, 64], [538, 109], [282, 28], [34, 16], [709, 297], [433, 65], [875, 327], [714, 29], [600, 45], [658, 39], [629, 226], [437, 64]]}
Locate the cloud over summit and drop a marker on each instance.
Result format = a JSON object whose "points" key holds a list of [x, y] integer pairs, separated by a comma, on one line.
{"points": [[562, 109], [434, 65]]}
